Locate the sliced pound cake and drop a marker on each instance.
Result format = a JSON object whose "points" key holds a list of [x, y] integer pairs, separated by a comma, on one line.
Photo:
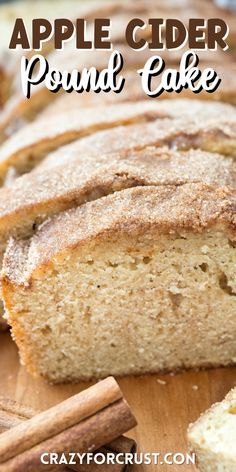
{"points": [[213, 437], [139, 281]]}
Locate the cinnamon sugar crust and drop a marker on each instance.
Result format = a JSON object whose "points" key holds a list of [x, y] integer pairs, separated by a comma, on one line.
{"points": [[177, 134], [31, 143], [156, 210], [213, 120], [39, 194]]}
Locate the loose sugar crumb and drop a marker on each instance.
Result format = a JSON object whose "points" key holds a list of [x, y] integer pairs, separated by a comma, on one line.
{"points": [[161, 382]]}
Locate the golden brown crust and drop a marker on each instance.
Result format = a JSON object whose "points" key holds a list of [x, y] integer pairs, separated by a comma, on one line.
{"points": [[30, 144], [37, 195], [136, 211], [203, 132], [38, 138]]}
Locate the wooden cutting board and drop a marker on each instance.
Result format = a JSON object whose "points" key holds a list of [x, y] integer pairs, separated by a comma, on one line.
{"points": [[163, 405]]}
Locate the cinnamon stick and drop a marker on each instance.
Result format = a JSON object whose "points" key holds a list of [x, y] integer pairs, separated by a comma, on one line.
{"points": [[86, 436], [58, 418], [94, 467], [16, 409], [8, 421], [12, 413], [120, 445], [82, 423]]}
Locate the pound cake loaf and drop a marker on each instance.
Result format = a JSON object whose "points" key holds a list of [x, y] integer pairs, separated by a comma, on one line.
{"points": [[139, 281], [213, 437]]}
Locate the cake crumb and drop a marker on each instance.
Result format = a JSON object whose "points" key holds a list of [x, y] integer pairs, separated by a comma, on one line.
{"points": [[161, 382], [195, 387]]}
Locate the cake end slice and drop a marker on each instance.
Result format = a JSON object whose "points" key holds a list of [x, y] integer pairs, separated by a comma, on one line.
{"points": [[213, 437]]}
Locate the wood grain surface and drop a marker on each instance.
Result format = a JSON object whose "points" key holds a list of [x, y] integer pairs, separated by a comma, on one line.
{"points": [[163, 405]]}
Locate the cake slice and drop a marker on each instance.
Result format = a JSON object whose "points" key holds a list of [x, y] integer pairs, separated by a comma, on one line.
{"points": [[210, 126], [205, 133], [139, 281], [213, 437]]}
